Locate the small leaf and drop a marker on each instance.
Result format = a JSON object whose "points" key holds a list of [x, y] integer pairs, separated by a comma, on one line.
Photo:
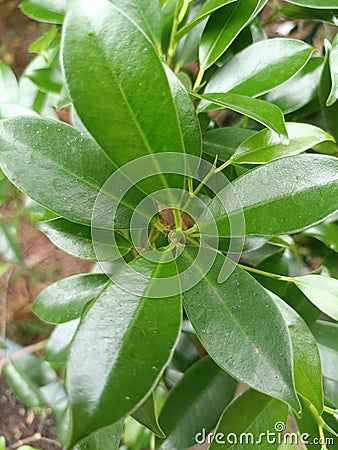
{"points": [[223, 27], [282, 197], [195, 402], [265, 146], [266, 113], [50, 11], [279, 59], [209, 6], [221, 314], [146, 415], [9, 90], [48, 80], [43, 43], [222, 142], [128, 340], [107, 438], [333, 61], [327, 233], [321, 291], [64, 300], [307, 366], [250, 414]]}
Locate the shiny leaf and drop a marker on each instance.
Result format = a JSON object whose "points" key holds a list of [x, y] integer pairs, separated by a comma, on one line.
{"points": [[326, 233], [252, 413], [303, 13], [130, 339], [51, 11], [307, 366], [321, 291], [266, 146], [223, 27], [266, 113], [146, 415], [195, 402], [108, 437], [284, 196], [59, 342], [51, 174], [261, 67], [221, 314], [64, 300], [320, 4], [124, 126], [299, 90], [209, 6], [222, 142]]}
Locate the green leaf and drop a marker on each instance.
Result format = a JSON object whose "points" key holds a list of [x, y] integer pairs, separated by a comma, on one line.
{"points": [[43, 43], [333, 61], [327, 233], [307, 366], [221, 314], [252, 413], [2, 443], [299, 12], [208, 7], [282, 197], [64, 300], [108, 437], [9, 90], [76, 240], [326, 334], [146, 415], [195, 402], [59, 342], [23, 387], [279, 59], [223, 27], [48, 80], [146, 14], [50, 11], [321, 291], [320, 4], [51, 174], [300, 89], [222, 142], [104, 37], [266, 146], [127, 339], [267, 114], [9, 242]]}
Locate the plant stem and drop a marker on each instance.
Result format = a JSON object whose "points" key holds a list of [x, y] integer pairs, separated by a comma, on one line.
{"points": [[178, 219], [199, 79], [192, 240], [267, 274], [173, 43], [331, 411]]}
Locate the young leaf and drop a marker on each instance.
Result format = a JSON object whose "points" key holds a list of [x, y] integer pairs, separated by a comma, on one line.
{"points": [[266, 113], [50, 11], [223, 27], [127, 339], [326, 334], [300, 90], [321, 291], [124, 126], [146, 415], [195, 402], [266, 145], [322, 4], [333, 61], [108, 437], [51, 174], [221, 314], [252, 413], [9, 90], [209, 6], [261, 67], [64, 300], [284, 196], [307, 367], [222, 142]]}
